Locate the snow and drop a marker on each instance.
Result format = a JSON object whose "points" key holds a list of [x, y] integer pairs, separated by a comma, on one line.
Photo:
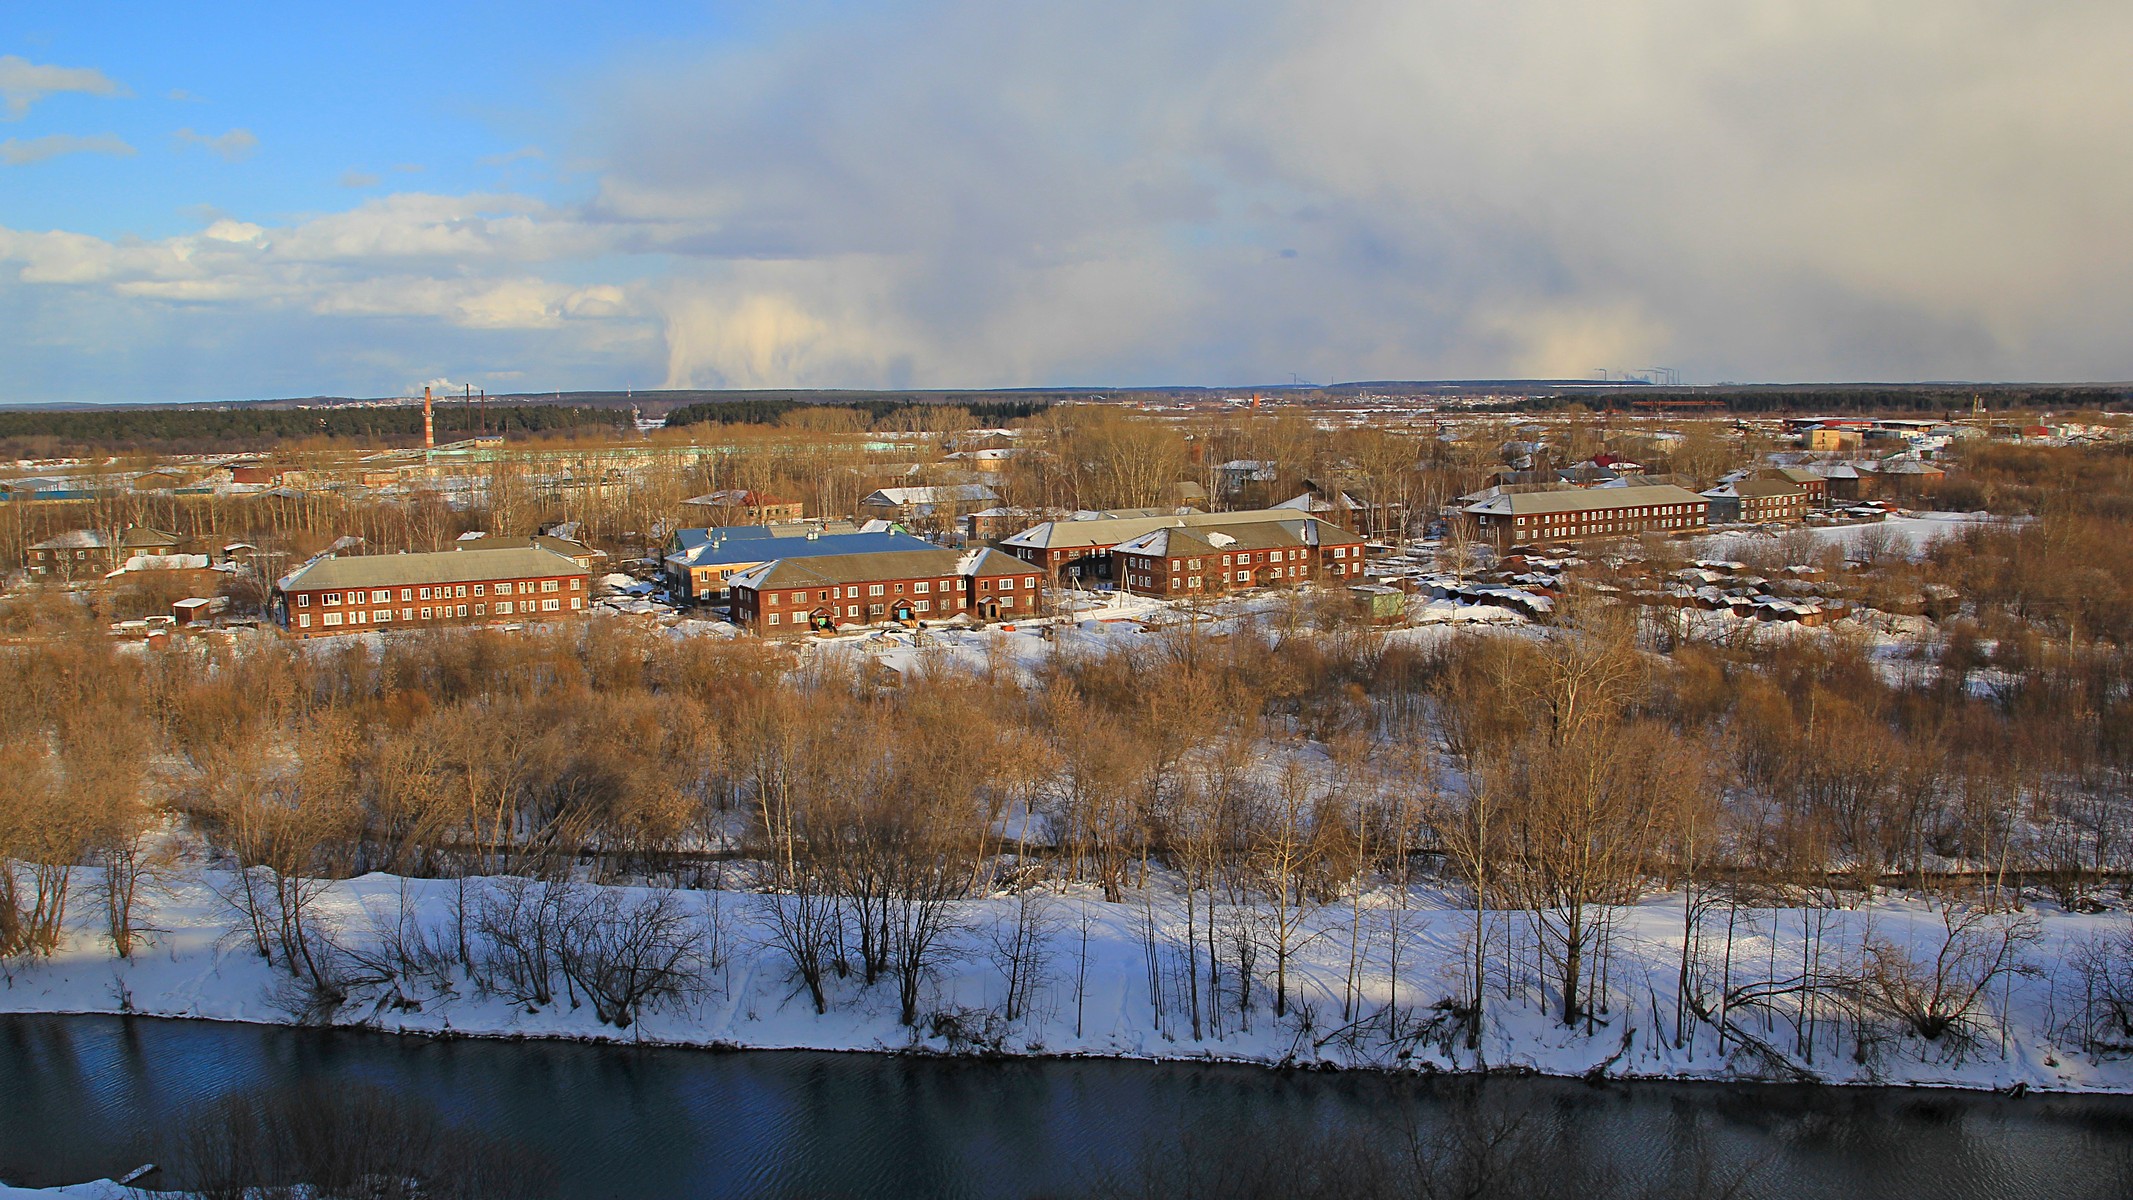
{"points": [[1908, 534], [198, 967]]}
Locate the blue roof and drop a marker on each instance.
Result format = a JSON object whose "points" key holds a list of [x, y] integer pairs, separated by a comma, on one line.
{"points": [[757, 548]]}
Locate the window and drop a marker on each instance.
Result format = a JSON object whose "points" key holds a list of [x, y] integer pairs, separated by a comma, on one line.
{"points": [[423, 594], [462, 611], [922, 605], [429, 614], [503, 608], [773, 619], [407, 593], [333, 618], [407, 614], [303, 621], [525, 587], [576, 603], [922, 586], [380, 597], [481, 610], [1007, 602], [481, 589], [459, 593], [1007, 585], [852, 593], [577, 584], [799, 597], [851, 610], [380, 616], [875, 590], [303, 601], [332, 598], [551, 585], [551, 605]]}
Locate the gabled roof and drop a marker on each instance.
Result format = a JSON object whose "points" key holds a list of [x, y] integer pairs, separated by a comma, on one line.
{"points": [[838, 569], [1583, 500], [444, 566], [960, 493], [735, 551], [1110, 531], [1255, 535], [75, 539]]}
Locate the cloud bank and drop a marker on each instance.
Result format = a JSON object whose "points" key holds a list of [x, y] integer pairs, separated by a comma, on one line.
{"points": [[966, 194]]}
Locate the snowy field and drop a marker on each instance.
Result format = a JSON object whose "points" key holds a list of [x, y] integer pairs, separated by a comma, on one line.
{"points": [[1114, 998], [1908, 535]]}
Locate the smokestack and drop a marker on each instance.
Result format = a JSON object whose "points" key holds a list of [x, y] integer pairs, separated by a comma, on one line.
{"points": [[429, 422]]}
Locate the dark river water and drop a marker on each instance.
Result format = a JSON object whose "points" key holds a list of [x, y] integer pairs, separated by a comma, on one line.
{"points": [[86, 1097]]}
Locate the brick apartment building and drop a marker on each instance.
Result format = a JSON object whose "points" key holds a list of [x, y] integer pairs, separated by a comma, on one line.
{"points": [[796, 595], [1598, 512], [452, 587], [1180, 561], [1080, 547]]}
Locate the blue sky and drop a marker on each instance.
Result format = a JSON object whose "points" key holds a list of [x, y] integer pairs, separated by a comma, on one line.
{"points": [[252, 200]]}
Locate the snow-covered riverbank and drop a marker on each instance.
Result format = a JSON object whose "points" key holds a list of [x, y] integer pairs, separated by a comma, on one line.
{"points": [[1104, 1000]]}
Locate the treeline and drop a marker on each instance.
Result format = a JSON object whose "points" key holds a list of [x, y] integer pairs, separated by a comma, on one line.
{"points": [[772, 412], [49, 433], [1927, 400]]}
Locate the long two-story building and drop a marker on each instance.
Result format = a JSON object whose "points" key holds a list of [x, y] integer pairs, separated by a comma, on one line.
{"points": [[1576, 514], [796, 595], [1080, 547], [1182, 561], [452, 587]]}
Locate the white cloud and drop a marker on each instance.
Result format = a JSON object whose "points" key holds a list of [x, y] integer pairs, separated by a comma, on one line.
{"points": [[966, 194], [233, 146], [23, 83], [17, 152]]}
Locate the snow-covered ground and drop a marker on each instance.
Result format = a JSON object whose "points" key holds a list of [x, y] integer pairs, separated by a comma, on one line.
{"points": [[1100, 1001], [1908, 534]]}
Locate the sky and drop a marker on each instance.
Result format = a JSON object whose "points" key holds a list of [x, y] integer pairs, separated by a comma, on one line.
{"points": [[251, 200]]}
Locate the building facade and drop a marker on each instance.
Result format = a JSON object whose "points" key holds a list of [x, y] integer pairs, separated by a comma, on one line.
{"points": [[1079, 548], [453, 587]]}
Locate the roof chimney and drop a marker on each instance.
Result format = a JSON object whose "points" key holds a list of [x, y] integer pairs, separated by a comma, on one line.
{"points": [[429, 424]]}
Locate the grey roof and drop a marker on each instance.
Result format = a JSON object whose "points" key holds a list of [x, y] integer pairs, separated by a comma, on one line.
{"points": [[1584, 500], [736, 551], [960, 493], [1080, 535], [444, 566], [75, 539], [1253, 535], [864, 568]]}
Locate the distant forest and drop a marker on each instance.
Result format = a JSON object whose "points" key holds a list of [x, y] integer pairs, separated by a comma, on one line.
{"points": [[769, 412], [45, 433]]}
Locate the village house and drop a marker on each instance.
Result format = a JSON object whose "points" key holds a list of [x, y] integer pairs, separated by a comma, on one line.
{"points": [[1757, 500], [1080, 546], [1181, 561], [940, 505], [701, 562], [450, 587], [796, 595], [1579, 513], [739, 506]]}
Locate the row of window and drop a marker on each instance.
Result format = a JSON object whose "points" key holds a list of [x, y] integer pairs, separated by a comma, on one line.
{"points": [[382, 616], [920, 587], [851, 611], [439, 592]]}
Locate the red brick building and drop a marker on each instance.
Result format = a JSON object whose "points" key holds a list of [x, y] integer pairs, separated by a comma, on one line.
{"points": [[797, 595], [1209, 561], [1081, 548], [453, 587], [1598, 512]]}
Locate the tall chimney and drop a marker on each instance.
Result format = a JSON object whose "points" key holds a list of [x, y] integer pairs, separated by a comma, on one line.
{"points": [[429, 422]]}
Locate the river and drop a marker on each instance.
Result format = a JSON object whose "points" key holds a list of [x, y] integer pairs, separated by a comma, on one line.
{"points": [[83, 1097]]}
